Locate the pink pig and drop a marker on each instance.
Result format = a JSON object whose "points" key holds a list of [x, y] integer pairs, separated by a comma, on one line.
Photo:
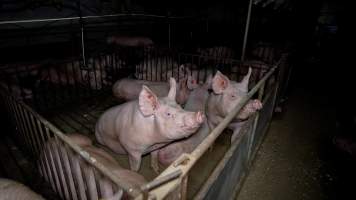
{"points": [[226, 95], [129, 89], [144, 125], [197, 101]]}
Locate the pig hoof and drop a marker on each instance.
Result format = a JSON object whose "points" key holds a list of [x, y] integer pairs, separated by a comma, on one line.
{"points": [[257, 104]]}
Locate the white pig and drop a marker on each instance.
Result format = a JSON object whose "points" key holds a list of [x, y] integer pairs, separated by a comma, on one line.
{"points": [[197, 101], [159, 69], [93, 77], [144, 125], [129, 89], [226, 95]]}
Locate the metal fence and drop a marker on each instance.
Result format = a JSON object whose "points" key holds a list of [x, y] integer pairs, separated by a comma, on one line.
{"points": [[57, 165]]}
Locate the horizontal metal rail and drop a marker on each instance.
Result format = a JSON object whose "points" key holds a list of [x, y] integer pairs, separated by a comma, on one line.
{"points": [[89, 17]]}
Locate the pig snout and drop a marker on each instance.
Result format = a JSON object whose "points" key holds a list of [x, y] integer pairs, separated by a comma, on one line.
{"points": [[194, 120]]}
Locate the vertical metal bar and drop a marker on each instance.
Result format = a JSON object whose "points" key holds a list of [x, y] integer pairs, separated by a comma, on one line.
{"points": [[255, 123], [247, 27], [16, 117], [56, 145], [23, 128], [68, 170], [183, 187], [78, 175], [86, 178], [75, 79], [31, 131], [45, 157], [169, 35], [36, 133], [52, 164]]}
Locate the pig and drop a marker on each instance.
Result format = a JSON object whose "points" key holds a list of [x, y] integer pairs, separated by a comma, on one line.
{"points": [[129, 89], [141, 126], [217, 52], [82, 173], [18, 92], [159, 69], [225, 96], [13, 190], [72, 73], [19, 80], [197, 101], [129, 41]]}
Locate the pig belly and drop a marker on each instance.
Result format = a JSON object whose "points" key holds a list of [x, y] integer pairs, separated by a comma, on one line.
{"points": [[105, 130], [111, 142]]}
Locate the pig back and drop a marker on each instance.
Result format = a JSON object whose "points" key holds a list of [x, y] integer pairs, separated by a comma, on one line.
{"points": [[129, 89], [120, 126]]}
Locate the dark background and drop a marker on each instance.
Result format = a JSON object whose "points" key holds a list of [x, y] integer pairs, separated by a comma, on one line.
{"points": [[319, 35]]}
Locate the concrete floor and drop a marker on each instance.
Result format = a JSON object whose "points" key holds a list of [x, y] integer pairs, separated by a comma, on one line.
{"points": [[297, 159]]}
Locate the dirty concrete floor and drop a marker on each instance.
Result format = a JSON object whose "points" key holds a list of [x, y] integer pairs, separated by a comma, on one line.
{"points": [[297, 159]]}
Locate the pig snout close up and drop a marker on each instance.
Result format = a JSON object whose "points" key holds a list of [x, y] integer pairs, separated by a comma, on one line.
{"points": [[226, 95], [141, 126], [193, 121]]}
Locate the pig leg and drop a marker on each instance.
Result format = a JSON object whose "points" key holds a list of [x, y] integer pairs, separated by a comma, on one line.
{"points": [[236, 127], [135, 161], [154, 161], [112, 143], [250, 108]]}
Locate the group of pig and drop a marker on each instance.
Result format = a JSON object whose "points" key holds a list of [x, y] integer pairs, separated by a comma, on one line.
{"points": [[160, 118], [15, 78], [153, 120]]}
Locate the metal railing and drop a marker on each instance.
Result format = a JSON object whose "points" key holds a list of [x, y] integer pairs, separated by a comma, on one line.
{"points": [[36, 131]]}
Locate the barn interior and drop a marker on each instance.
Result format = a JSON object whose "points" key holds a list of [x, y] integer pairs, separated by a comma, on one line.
{"points": [[306, 149]]}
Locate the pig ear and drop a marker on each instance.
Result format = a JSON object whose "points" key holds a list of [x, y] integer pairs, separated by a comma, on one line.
{"points": [[173, 89], [220, 82], [148, 101], [243, 85]]}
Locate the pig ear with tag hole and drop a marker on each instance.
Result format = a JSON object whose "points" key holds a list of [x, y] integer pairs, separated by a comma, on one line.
{"points": [[148, 101], [173, 89], [220, 83]]}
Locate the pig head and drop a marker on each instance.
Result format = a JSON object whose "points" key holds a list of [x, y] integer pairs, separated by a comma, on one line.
{"points": [[196, 101], [226, 95]]}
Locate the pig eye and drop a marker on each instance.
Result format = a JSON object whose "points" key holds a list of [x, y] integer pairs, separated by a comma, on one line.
{"points": [[169, 114], [233, 96]]}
